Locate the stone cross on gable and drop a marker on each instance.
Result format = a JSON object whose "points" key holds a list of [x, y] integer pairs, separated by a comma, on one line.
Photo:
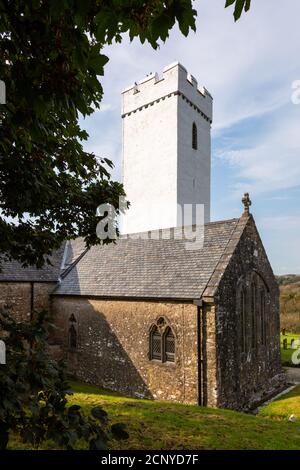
{"points": [[2, 92], [247, 203]]}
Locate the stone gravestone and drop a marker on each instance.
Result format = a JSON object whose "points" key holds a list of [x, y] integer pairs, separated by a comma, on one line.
{"points": [[293, 344], [285, 343], [2, 352], [2, 92]]}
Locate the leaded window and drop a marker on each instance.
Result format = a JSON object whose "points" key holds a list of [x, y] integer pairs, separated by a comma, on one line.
{"points": [[162, 342], [156, 344], [169, 343]]}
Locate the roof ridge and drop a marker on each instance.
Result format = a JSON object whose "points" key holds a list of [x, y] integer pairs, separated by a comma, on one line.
{"points": [[217, 274], [215, 222]]}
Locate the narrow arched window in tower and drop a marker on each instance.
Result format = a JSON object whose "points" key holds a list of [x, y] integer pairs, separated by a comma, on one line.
{"points": [[169, 346], [194, 137], [155, 344]]}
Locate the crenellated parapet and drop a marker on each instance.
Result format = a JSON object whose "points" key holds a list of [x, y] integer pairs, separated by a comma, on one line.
{"points": [[175, 81]]}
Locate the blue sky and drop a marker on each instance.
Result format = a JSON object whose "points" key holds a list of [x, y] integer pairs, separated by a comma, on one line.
{"points": [[249, 67]]}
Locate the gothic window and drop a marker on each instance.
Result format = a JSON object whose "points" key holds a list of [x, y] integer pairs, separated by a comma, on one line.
{"points": [[162, 342], [252, 305], [72, 332], [253, 315], [155, 344], [243, 320], [72, 337], [169, 343], [263, 318], [194, 137]]}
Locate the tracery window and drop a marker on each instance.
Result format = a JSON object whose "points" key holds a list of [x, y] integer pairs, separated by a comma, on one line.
{"points": [[162, 342], [252, 301]]}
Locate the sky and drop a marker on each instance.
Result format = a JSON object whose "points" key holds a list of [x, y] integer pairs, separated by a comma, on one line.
{"points": [[249, 67]]}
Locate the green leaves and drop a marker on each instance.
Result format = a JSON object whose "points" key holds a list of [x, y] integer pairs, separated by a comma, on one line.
{"points": [[240, 5], [34, 390]]}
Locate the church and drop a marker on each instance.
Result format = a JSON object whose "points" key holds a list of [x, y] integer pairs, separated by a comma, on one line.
{"points": [[154, 314]]}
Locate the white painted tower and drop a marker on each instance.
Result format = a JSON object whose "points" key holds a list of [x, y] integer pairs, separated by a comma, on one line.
{"points": [[166, 149]]}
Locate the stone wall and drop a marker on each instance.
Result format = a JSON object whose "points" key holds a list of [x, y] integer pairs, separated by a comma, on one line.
{"points": [[113, 346], [247, 377], [208, 354], [17, 295]]}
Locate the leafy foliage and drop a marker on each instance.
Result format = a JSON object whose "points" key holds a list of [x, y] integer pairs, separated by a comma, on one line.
{"points": [[239, 7], [51, 61], [34, 390]]}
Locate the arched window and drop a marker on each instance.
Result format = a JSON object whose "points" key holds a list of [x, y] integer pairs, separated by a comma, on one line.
{"points": [[72, 332], [162, 342], [194, 137], [72, 337], [243, 320], [263, 335], [169, 345], [253, 314], [155, 344], [252, 308]]}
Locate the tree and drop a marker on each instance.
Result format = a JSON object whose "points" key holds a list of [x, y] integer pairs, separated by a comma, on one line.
{"points": [[51, 63], [51, 59], [34, 390], [239, 7]]}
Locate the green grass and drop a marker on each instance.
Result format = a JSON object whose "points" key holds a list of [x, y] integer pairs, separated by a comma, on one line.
{"points": [[286, 354], [284, 406], [163, 425]]}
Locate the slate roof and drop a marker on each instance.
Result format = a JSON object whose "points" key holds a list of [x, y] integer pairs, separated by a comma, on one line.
{"points": [[12, 271], [147, 268]]}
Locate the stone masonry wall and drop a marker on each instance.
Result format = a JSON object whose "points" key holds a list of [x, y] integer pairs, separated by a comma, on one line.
{"points": [[247, 377], [113, 346], [17, 295]]}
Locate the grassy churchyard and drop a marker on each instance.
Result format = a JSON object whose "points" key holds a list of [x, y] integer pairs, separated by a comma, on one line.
{"points": [[164, 425], [286, 354]]}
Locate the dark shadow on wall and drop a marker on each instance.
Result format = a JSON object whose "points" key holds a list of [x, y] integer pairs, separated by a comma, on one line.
{"points": [[99, 357]]}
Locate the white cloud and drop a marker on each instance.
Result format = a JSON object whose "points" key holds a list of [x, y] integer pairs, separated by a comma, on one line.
{"points": [[249, 68], [271, 163]]}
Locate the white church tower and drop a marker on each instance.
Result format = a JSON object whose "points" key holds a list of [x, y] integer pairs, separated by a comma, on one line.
{"points": [[166, 149]]}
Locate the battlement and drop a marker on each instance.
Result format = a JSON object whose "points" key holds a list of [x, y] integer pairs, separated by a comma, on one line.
{"points": [[174, 81]]}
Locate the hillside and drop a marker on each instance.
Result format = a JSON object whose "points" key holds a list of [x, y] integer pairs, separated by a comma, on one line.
{"points": [[290, 302], [163, 425], [287, 279]]}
